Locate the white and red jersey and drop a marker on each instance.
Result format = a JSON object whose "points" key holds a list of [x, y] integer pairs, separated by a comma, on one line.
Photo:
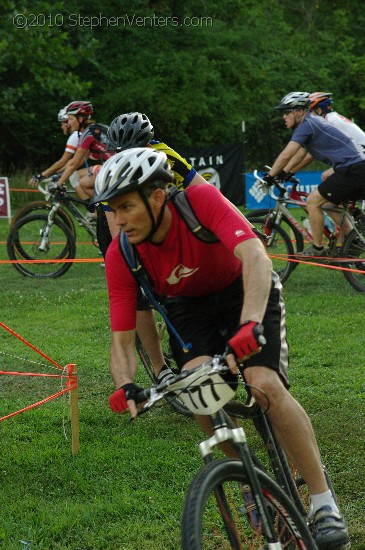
{"points": [[181, 265], [347, 127], [72, 143]]}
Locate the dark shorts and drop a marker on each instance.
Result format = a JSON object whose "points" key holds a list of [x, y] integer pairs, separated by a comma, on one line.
{"points": [[347, 183], [207, 322]]}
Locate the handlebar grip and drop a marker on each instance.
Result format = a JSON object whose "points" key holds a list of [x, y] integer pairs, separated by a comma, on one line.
{"points": [[143, 395], [258, 332]]}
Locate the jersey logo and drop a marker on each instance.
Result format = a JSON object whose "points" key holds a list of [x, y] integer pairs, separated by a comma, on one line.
{"points": [[180, 272]]}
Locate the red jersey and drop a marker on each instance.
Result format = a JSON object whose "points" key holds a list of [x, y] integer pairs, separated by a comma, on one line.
{"points": [[181, 265]]}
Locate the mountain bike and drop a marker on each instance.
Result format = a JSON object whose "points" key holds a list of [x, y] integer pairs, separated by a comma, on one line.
{"points": [[40, 206], [44, 232], [283, 249], [231, 503]]}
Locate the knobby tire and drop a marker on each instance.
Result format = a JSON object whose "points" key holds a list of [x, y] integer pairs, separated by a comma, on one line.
{"points": [[23, 244], [219, 512]]}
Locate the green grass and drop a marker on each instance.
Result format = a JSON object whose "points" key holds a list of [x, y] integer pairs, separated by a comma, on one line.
{"points": [[125, 489]]}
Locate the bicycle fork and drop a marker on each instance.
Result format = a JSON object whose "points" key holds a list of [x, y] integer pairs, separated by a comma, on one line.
{"points": [[45, 233], [255, 504]]}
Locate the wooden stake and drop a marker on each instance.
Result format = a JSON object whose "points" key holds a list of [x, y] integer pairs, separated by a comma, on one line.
{"points": [[74, 406]]}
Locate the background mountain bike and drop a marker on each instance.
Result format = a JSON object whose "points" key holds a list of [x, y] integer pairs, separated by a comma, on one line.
{"points": [[232, 503], [45, 230], [286, 235]]}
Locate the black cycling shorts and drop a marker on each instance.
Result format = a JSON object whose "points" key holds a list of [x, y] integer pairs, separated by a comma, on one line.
{"points": [[207, 322], [347, 183]]}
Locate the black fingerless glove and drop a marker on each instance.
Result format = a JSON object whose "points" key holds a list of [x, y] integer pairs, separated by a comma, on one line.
{"points": [[269, 180], [287, 176]]}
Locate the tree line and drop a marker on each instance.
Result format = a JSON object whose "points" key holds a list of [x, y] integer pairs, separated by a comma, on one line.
{"points": [[196, 69]]}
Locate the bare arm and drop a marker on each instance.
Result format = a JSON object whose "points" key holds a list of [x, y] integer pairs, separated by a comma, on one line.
{"points": [[57, 166], [72, 165], [256, 273], [283, 160], [123, 360], [298, 161]]}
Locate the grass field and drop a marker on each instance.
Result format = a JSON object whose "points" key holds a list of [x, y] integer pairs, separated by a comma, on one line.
{"points": [[125, 489]]}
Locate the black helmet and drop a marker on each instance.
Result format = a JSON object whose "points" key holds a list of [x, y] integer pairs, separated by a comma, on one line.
{"points": [[130, 130], [129, 171], [294, 101]]}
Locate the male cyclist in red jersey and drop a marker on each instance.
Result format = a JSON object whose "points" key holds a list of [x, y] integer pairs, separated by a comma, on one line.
{"points": [[135, 130], [209, 290]]}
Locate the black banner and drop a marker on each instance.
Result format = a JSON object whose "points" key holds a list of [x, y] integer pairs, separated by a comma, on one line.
{"points": [[220, 165]]}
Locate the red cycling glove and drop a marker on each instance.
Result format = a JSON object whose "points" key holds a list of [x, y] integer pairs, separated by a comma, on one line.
{"points": [[118, 400], [248, 338]]}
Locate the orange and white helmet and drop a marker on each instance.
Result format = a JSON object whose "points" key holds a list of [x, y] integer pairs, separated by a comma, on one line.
{"points": [[320, 99]]}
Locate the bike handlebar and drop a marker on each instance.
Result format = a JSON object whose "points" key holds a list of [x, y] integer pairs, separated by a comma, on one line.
{"points": [[276, 182], [203, 376]]}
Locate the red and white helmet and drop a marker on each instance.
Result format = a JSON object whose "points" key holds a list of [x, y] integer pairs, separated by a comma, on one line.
{"points": [[83, 108]]}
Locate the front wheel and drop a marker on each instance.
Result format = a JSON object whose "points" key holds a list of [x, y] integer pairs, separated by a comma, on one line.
{"points": [[354, 248], [295, 236], [43, 207], [44, 247], [279, 247], [220, 512]]}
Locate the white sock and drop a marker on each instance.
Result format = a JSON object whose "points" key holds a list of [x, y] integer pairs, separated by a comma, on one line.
{"points": [[322, 499]]}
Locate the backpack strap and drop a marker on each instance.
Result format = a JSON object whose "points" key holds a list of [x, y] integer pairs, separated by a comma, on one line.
{"points": [[133, 261], [144, 282], [181, 202]]}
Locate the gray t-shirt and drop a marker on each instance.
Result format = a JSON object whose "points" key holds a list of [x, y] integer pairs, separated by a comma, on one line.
{"points": [[327, 143]]}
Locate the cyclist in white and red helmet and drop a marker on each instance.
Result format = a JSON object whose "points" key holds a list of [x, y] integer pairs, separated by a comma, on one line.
{"points": [[90, 152], [71, 146]]}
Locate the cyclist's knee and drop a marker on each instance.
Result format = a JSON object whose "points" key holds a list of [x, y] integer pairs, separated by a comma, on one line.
{"points": [[265, 385], [315, 199]]}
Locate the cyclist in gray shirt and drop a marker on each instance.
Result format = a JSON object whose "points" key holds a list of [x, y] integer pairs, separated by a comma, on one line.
{"points": [[345, 180]]}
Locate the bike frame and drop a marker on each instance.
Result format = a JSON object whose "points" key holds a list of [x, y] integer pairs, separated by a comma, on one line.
{"points": [[70, 204], [297, 198]]}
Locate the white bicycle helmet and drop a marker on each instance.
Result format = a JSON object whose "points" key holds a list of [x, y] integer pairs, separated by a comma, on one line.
{"points": [[131, 170], [294, 100], [62, 115]]}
